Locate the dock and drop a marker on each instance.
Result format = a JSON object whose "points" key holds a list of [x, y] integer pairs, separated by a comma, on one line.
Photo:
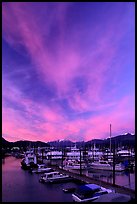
{"points": [[86, 179]]}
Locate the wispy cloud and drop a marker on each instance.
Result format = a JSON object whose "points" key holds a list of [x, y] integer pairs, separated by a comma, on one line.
{"points": [[79, 59]]}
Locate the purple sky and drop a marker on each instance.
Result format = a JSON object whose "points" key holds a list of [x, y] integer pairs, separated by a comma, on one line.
{"points": [[68, 70]]}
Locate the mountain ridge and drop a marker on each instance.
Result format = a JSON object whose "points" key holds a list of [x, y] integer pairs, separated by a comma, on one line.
{"points": [[126, 140]]}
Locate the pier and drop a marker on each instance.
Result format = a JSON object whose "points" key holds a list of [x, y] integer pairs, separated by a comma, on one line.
{"points": [[86, 179]]}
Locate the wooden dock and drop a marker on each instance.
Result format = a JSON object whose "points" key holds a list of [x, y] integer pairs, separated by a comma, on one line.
{"points": [[86, 179]]}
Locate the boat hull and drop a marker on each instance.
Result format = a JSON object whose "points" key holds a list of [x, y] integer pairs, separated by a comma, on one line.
{"points": [[29, 166], [57, 180], [107, 168]]}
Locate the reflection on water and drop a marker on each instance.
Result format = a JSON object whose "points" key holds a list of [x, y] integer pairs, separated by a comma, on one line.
{"points": [[124, 178], [3, 160]]}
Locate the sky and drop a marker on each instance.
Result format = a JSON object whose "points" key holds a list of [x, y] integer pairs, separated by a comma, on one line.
{"points": [[68, 70]]}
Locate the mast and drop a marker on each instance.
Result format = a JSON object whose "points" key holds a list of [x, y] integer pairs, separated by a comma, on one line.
{"points": [[110, 138]]}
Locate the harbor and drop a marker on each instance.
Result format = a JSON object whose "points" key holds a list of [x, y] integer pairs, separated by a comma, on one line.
{"points": [[85, 174], [15, 177]]}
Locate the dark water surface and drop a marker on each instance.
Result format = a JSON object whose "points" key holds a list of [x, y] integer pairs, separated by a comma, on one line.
{"points": [[20, 186]]}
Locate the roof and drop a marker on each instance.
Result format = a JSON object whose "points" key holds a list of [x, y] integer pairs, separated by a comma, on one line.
{"points": [[93, 186], [89, 187]]}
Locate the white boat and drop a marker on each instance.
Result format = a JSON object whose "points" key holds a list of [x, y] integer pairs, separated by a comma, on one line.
{"points": [[54, 155], [89, 192], [54, 176], [41, 169], [73, 164], [104, 165], [74, 153], [29, 161], [95, 153], [75, 167], [125, 153]]}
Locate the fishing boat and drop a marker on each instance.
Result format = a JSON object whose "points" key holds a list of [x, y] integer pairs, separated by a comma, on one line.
{"points": [[30, 161], [89, 192]]}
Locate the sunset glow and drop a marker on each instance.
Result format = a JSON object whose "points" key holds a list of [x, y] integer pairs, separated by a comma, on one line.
{"points": [[68, 70]]}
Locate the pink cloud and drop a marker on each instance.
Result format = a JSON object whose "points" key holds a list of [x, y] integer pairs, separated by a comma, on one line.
{"points": [[55, 125], [59, 128], [22, 27], [79, 103], [68, 61], [60, 71], [25, 124], [121, 117]]}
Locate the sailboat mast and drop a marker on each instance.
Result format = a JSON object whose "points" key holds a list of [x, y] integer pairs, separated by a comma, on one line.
{"points": [[110, 138]]}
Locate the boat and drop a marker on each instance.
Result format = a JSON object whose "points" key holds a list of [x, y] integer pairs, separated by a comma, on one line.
{"points": [[30, 161], [125, 153], [74, 165], [74, 153], [89, 192], [105, 165], [41, 169], [95, 153], [54, 176], [54, 155]]}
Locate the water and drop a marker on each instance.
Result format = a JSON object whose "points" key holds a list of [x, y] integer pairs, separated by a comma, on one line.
{"points": [[126, 179], [20, 186]]}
